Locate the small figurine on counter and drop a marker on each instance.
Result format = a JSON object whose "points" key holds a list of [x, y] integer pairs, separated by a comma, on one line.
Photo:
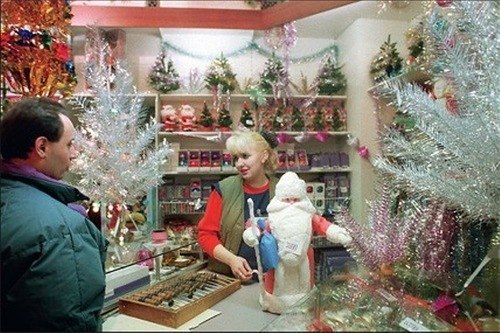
{"points": [[292, 221]]}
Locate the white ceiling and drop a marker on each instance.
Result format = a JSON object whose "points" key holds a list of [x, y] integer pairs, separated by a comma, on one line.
{"points": [[329, 24], [332, 23]]}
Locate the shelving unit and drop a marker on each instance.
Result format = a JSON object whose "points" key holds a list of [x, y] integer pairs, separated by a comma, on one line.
{"points": [[184, 205]]}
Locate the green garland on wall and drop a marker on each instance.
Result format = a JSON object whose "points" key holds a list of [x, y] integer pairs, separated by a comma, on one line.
{"points": [[253, 46]]}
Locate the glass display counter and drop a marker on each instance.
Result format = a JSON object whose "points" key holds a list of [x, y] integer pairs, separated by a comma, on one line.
{"points": [[138, 264], [347, 302]]}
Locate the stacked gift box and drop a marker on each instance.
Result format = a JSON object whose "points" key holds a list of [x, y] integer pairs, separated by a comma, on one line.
{"points": [[337, 191], [185, 198], [199, 160], [329, 258]]}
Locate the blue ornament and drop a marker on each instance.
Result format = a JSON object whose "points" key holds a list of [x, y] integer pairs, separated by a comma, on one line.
{"points": [[26, 35], [70, 67], [440, 25]]}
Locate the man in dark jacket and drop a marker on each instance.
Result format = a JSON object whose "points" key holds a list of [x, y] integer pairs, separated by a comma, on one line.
{"points": [[53, 257]]}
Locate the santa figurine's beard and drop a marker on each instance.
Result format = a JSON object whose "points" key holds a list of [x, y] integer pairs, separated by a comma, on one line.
{"points": [[290, 223]]}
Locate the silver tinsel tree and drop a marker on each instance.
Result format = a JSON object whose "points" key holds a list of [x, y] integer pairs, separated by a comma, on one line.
{"points": [[454, 156], [118, 161]]}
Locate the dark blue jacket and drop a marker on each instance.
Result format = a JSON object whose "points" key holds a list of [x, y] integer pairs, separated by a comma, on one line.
{"points": [[52, 273]]}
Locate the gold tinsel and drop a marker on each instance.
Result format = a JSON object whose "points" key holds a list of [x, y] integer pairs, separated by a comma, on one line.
{"points": [[35, 53]]}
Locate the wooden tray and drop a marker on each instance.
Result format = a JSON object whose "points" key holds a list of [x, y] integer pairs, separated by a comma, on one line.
{"points": [[183, 309]]}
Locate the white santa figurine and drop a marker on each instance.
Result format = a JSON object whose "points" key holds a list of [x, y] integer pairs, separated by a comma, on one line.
{"points": [[168, 118], [292, 221]]}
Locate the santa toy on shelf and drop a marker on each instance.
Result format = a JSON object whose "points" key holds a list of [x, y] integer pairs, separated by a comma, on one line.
{"points": [[292, 221], [169, 118], [187, 118]]}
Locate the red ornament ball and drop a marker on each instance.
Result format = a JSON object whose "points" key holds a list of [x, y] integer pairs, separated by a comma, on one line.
{"points": [[444, 3]]}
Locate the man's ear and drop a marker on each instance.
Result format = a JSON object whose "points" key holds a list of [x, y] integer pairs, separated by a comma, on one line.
{"points": [[41, 146]]}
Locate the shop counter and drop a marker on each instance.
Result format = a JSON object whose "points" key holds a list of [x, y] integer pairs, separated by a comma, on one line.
{"points": [[240, 311]]}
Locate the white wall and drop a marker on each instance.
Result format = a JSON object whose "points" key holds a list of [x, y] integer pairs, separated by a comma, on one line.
{"points": [[143, 46], [359, 43]]}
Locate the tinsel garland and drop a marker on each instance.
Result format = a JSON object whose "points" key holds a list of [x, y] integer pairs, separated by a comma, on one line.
{"points": [[36, 57], [253, 46], [386, 239], [117, 162]]}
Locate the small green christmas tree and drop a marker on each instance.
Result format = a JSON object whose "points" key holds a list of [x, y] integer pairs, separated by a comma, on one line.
{"points": [[297, 120], [246, 118], [387, 63], [273, 73], [164, 78], [318, 120], [220, 73], [330, 80], [206, 118], [224, 119], [278, 119], [336, 122]]}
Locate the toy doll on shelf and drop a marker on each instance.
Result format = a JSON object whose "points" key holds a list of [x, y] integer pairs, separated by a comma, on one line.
{"points": [[187, 118], [292, 220], [169, 118]]}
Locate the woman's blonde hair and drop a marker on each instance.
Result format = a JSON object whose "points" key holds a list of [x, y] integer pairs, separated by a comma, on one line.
{"points": [[239, 142]]}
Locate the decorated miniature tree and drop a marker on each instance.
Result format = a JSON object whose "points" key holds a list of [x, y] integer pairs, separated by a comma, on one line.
{"points": [[220, 73], [318, 121], [163, 76], [330, 80], [246, 118], [415, 39], [337, 124], [224, 119], [297, 119], [118, 162], [387, 62], [273, 74], [278, 123], [206, 118], [35, 55]]}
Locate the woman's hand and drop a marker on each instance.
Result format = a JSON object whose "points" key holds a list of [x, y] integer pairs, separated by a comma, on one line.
{"points": [[240, 268]]}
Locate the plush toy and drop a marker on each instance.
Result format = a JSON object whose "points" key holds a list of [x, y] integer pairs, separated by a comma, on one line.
{"points": [[169, 118], [187, 118], [292, 221]]}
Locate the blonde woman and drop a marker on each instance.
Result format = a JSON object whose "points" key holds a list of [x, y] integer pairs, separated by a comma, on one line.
{"points": [[221, 228]]}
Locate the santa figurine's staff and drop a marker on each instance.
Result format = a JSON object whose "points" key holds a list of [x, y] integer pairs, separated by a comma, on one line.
{"points": [[256, 233]]}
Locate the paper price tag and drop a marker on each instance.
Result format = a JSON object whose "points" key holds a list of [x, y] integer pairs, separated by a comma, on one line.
{"points": [[293, 247], [412, 326]]}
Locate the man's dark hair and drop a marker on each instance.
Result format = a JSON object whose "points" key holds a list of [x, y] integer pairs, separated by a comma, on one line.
{"points": [[27, 120]]}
